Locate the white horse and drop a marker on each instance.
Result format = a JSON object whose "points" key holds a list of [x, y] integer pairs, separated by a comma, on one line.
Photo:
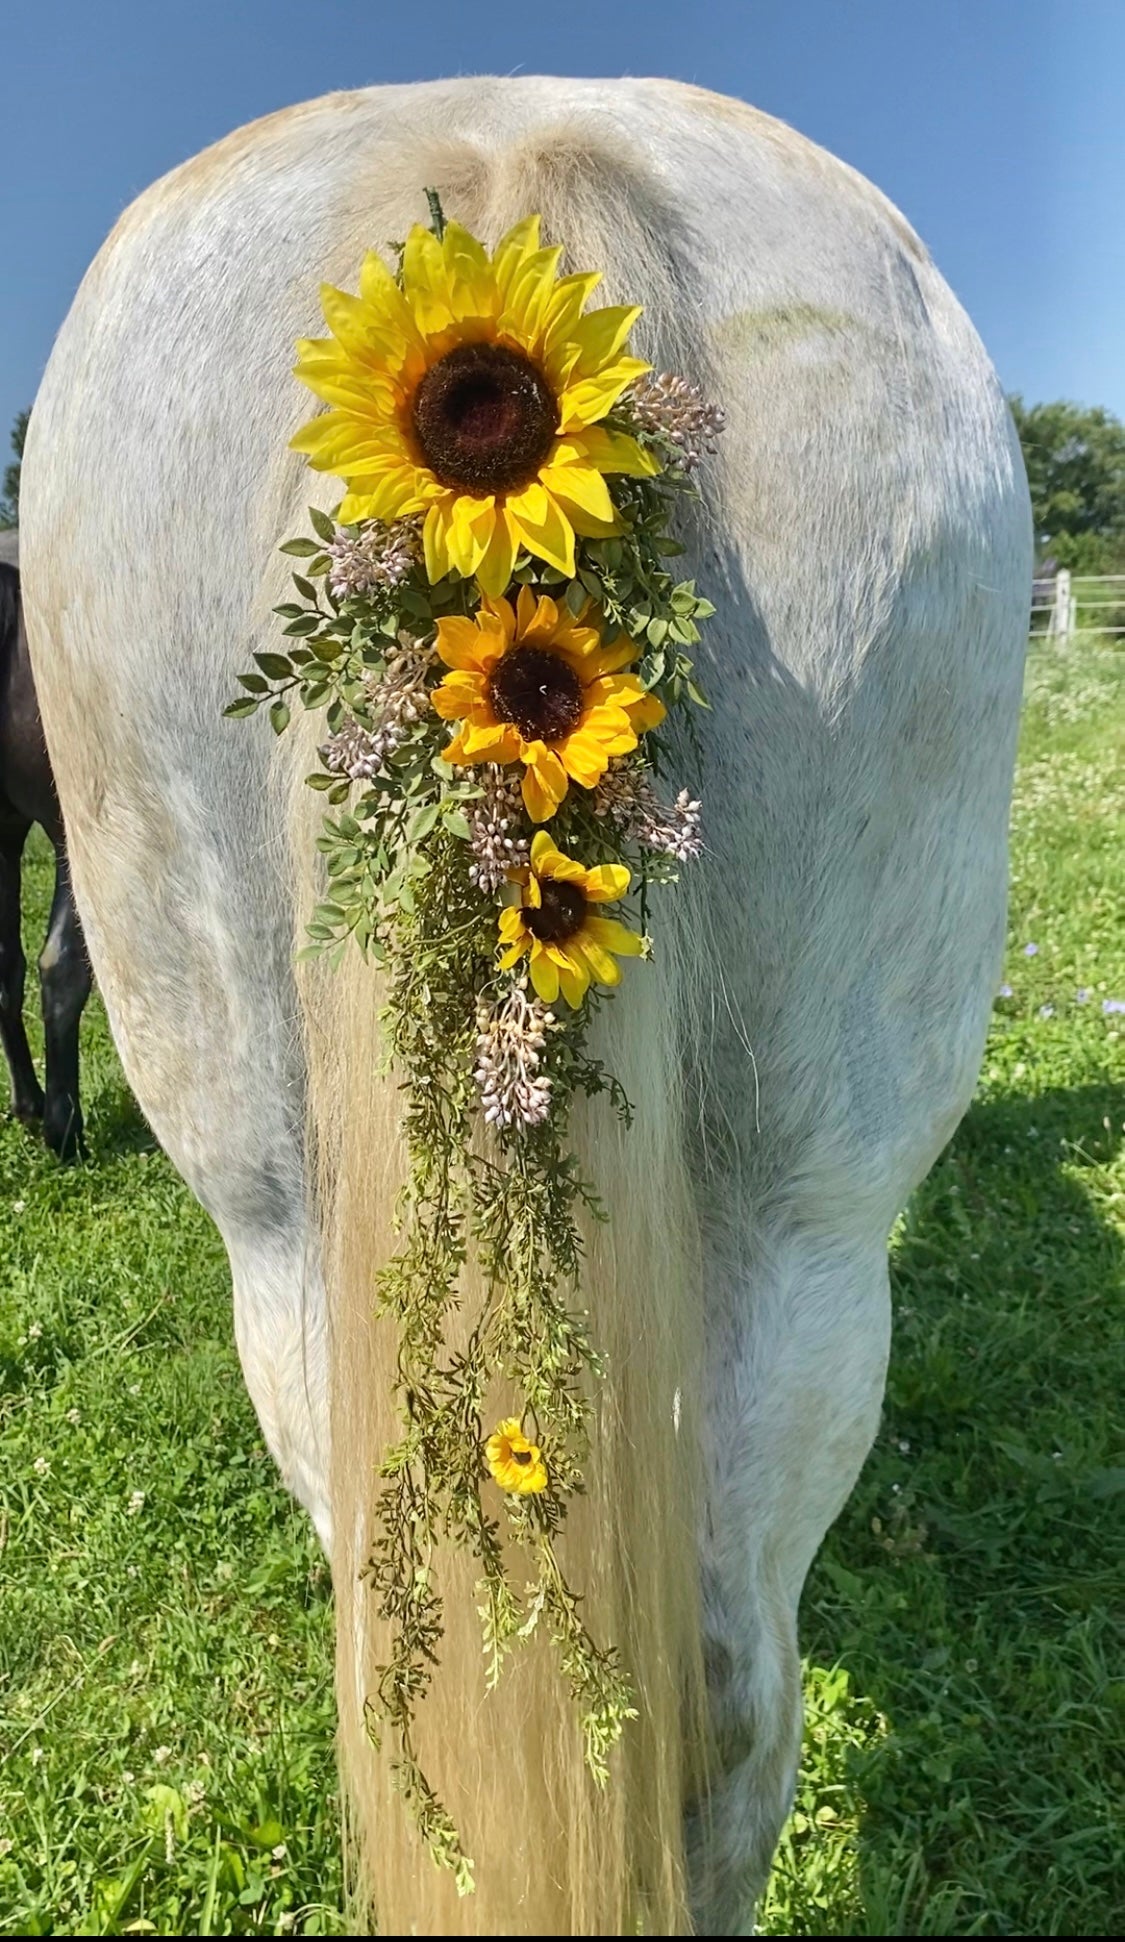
{"points": [[811, 1032]]}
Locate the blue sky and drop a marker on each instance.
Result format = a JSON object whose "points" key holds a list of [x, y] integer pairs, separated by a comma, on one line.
{"points": [[996, 126]]}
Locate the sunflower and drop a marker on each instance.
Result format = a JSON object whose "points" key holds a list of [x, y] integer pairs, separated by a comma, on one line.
{"points": [[568, 943], [474, 395], [533, 684], [516, 1464]]}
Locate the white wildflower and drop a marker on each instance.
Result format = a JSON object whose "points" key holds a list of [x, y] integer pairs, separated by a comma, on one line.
{"points": [[675, 408], [34, 1331], [494, 820], [379, 557], [136, 1503], [41, 1467], [511, 1035], [626, 797], [396, 699]]}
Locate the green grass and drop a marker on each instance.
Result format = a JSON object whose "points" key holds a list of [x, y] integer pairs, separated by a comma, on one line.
{"points": [[165, 1636]]}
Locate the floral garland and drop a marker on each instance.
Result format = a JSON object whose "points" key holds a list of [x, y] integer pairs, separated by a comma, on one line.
{"points": [[497, 567]]}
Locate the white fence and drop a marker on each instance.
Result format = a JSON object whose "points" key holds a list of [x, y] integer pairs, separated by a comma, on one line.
{"points": [[1074, 603]]}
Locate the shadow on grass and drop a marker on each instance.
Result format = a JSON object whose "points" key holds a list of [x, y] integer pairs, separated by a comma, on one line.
{"points": [[117, 1125], [969, 1586]]}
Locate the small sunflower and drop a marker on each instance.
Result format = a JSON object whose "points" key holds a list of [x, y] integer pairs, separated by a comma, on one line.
{"points": [[532, 684], [474, 395], [557, 924], [515, 1463]]}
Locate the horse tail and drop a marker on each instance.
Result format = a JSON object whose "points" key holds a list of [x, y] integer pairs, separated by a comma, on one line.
{"points": [[552, 1853]]}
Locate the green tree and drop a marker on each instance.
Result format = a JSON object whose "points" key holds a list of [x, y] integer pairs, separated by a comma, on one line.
{"points": [[10, 501], [1075, 459]]}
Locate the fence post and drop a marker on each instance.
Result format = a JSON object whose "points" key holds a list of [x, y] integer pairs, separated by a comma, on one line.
{"points": [[1062, 619]]}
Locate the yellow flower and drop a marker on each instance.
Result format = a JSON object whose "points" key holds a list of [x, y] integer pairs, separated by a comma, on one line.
{"points": [[558, 926], [516, 1464], [474, 395], [532, 684]]}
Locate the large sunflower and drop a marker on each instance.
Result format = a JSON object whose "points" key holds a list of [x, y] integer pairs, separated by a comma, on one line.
{"points": [[473, 394], [533, 684], [557, 926]]}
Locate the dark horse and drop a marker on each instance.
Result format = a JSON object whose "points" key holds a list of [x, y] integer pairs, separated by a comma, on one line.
{"points": [[27, 795]]}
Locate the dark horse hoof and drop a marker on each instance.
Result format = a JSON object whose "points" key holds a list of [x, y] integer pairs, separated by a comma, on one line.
{"points": [[64, 1134]]}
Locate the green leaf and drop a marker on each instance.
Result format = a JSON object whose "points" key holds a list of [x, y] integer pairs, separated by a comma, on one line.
{"points": [[321, 524], [301, 549], [697, 696], [246, 705], [279, 717], [304, 587], [255, 683], [277, 666], [457, 824], [307, 624], [424, 822]]}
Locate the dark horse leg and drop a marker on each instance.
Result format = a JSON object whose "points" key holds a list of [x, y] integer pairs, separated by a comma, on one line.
{"points": [[27, 1099], [64, 980]]}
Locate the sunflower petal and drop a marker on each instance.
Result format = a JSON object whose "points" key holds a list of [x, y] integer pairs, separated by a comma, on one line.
{"points": [[606, 882], [601, 334], [495, 570], [512, 953], [550, 537], [574, 981], [603, 966], [582, 486], [489, 742], [647, 712], [586, 758], [451, 704], [544, 974], [435, 543], [613, 452], [512, 251], [547, 860], [469, 275], [425, 282], [460, 643], [544, 781], [615, 937]]}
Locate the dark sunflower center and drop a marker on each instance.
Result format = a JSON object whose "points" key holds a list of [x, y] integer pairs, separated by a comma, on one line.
{"points": [[485, 418], [521, 1456], [538, 692], [561, 913]]}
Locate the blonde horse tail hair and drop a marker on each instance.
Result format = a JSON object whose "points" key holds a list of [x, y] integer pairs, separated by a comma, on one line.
{"points": [[553, 1854]]}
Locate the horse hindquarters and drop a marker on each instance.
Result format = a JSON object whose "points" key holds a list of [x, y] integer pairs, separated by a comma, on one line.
{"points": [[867, 554]]}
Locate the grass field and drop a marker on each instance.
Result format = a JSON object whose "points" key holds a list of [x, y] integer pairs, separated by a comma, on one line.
{"points": [[165, 1678]]}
